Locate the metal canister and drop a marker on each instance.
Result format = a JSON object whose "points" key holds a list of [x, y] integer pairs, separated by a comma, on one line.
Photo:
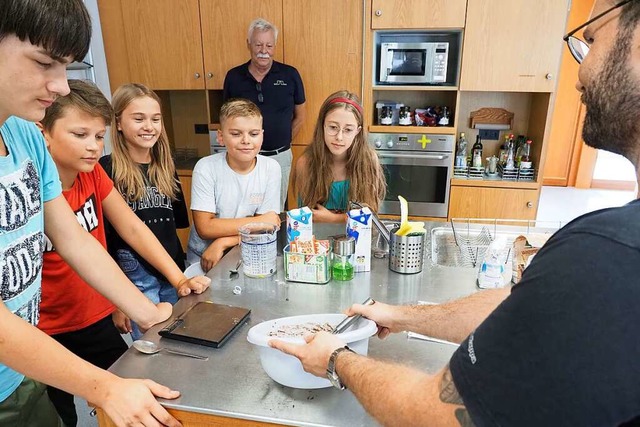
{"points": [[406, 253]]}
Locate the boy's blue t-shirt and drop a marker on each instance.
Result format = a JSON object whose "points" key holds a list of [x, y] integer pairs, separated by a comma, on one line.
{"points": [[28, 178]]}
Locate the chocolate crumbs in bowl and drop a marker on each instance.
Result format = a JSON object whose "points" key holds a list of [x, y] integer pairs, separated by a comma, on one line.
{"points": [[300, 330]]}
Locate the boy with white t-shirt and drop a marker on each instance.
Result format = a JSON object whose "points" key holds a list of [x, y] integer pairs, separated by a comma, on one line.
{"points": [[232, 189]]}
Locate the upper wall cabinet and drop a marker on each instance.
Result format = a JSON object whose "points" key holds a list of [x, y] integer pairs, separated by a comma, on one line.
{"points": [[513, 45], [187, 44], [224, 33], [418, 14], [155, 42]]}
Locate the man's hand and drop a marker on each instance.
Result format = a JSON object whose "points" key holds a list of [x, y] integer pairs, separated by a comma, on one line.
{"points": [[197, 285], [315, 354], [269, 217], [131, 402], [384, 315], [121, 321]]}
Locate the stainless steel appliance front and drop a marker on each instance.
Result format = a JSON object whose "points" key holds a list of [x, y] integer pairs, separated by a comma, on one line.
{"points": [[417, 167], [414, 63]]}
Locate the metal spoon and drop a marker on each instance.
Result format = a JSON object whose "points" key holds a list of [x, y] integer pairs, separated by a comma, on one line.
{"points": [[148, 347], [234, 271]]}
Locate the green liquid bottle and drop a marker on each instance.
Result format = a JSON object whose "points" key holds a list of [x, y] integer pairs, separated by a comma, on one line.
{"points": [[342, 268]]}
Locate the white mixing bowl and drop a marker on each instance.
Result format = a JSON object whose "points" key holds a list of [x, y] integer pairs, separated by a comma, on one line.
{"points": [[287, 370]]}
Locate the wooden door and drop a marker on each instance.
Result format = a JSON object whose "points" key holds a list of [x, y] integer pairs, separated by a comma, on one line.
{"points": [[418, 14], [488, 202], [225, 24], [162, 41], [323, 40], [513, 45]]}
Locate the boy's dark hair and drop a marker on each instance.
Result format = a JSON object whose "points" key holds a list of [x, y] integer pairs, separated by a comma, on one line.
{"points": [[86, 97], [62, 27]]}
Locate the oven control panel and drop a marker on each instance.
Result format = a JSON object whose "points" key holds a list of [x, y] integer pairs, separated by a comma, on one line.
{"points": [[412, 142]]}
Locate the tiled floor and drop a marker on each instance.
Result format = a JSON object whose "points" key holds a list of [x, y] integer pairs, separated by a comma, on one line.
{"points": [[566, 203]]}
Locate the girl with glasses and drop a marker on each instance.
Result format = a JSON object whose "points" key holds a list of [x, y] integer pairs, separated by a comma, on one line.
{"points": [[338, 166]]}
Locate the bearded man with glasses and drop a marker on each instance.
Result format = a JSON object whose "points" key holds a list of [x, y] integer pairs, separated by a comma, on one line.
{"points": [[559, 348]]}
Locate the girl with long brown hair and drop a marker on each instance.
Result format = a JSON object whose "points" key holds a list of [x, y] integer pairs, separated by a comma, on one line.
{"points": [[339, 165], [144, 173]]}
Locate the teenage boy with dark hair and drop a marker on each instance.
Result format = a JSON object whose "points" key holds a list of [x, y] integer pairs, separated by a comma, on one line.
{"points": [[38, 38]]}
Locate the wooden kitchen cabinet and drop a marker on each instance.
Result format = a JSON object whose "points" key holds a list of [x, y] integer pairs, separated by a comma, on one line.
{"points": [[155, 42], [418, 14], [489, 202], [505, 48], [187, 44], [224, 34]]}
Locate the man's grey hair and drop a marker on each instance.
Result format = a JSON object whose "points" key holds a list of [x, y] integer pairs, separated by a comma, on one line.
{"points": [[261, 24]]}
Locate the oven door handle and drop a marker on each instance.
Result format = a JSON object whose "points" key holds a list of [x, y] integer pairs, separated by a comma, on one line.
{"points": [[413, 156]]}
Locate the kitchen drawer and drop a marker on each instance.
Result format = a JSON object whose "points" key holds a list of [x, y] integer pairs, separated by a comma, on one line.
{"points": [[488, 202]]}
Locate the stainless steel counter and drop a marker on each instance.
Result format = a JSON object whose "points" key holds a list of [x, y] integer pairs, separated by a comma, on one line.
{"points": [[233, 384]]}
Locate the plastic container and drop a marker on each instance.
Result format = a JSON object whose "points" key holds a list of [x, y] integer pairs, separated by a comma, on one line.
{"points": [[306, 268], [259, 249], [287, 370], [406, 253]]}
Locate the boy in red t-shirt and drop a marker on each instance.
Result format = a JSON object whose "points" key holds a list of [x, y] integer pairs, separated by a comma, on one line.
{"points": [[71, 311]]}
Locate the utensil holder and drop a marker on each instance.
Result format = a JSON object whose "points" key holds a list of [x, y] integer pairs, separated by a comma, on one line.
{"points": [[406, 253]]}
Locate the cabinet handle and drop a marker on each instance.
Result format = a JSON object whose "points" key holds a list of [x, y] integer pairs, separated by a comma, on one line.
{"points": [[209, 75], [378, 12], [549, 76], [529, 204], [197, 75]]}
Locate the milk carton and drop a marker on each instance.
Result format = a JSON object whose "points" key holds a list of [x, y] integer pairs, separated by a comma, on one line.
{"points": [[359, 226], [299, 224]]}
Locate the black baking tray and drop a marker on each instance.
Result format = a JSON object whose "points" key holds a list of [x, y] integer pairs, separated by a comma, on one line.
{"points": [[207, 323]]}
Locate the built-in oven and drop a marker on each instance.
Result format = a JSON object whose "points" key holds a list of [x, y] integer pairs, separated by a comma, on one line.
{"points": [[417, 167]]}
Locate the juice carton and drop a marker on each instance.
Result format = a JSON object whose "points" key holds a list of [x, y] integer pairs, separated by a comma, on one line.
{"points": [[359, 226], [299, 224]]}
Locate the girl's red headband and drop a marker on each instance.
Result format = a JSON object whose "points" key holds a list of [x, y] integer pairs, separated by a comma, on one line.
{"points": [[347, 101]]}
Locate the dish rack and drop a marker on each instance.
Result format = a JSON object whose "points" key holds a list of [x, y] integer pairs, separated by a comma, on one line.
{"points": [[465, 242]]}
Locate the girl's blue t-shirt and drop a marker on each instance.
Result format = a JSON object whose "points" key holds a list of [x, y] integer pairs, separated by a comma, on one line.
{"points": [[338, 198], [28, 179]]}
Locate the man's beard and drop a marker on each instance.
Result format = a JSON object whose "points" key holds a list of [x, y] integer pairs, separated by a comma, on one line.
{"points": [[613, 104]]}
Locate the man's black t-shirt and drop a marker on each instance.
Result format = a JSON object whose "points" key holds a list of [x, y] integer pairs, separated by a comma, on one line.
{"points": [[161, 214], [564, 347], [280, 91]]}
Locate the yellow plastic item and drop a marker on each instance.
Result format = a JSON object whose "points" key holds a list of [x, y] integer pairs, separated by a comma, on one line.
{"points": [[404, 218]]}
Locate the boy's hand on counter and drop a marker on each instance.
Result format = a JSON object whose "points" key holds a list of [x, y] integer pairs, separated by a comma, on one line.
{"points": [[121, 321], [131, 402], [315, 354], [212, 255], [269, 217], [164, 312], [386, 316], [197, 285]]}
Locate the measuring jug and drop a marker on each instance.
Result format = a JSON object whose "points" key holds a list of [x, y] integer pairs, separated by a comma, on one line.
{"points": [[259, 248]]}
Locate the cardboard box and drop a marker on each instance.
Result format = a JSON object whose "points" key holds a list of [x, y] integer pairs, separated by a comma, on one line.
{"points": [[359, 226], [299, 224]]}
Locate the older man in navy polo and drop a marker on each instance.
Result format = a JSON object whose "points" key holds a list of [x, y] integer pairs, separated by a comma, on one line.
{"points": [[277, 90]]}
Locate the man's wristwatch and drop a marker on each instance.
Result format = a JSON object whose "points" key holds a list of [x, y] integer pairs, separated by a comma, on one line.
{"points": [[331, 368]]}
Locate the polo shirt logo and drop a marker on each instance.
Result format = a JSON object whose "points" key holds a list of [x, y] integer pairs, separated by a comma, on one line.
{"points": [[279, 83]]}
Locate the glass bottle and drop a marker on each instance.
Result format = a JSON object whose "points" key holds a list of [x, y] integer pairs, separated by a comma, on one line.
{"points": [[511, 154], [476, 157], [525, 160], [444, 118], [504, 149], [522, 140], [461, 154], [342, 262]]}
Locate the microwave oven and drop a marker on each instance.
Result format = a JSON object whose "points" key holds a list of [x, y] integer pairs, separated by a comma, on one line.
{"points": [[414, 63]]}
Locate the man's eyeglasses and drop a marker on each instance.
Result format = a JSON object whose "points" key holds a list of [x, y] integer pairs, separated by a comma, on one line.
{"points": [[333, 130], [260, 96], [579, 48]]}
